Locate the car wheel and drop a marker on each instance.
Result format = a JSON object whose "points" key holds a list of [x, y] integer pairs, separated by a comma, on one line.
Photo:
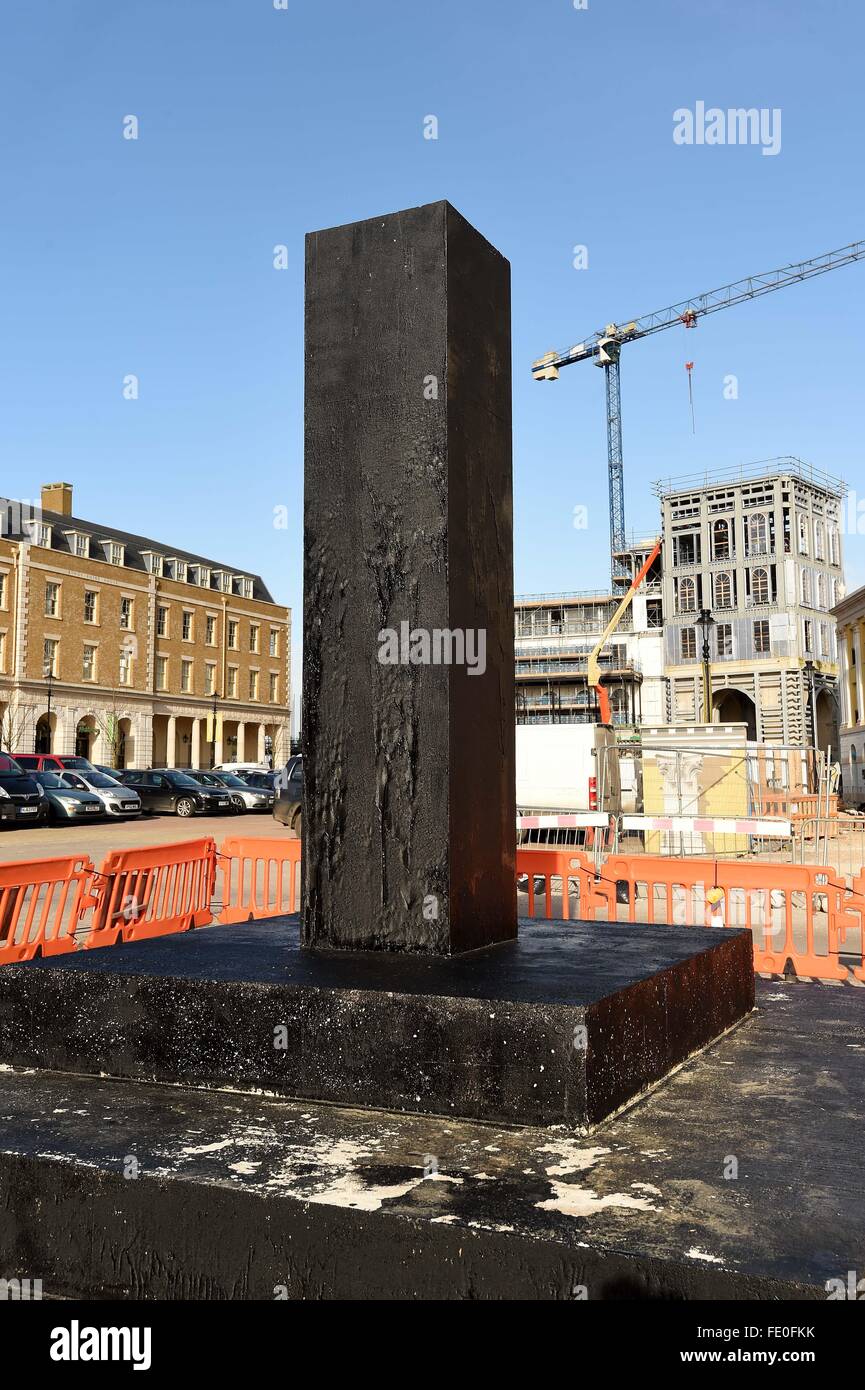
{"points": [[238, 805], [185, 807]]}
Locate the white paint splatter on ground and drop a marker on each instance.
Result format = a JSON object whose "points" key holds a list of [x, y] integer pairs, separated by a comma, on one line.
{"points": [[695, 1254], [208, 1148], [572, 1200], [572, 1157]]}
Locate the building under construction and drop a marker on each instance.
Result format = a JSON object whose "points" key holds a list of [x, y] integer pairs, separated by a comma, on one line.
{"points": [[555, 633], [752, 569]]}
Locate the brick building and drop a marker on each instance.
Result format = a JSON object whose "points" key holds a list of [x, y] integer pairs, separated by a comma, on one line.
{"points": [[121, 648]]}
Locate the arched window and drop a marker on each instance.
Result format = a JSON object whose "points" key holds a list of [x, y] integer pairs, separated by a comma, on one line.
{"points": [[803, 534], [723, 590], [721, 540], [760, 585], [807, 598], [818, 541], [757, 534], [834, 549], [687, 596], [822, 598]]}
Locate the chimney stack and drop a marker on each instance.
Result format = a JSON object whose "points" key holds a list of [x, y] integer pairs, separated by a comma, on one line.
{"points": [[57, 497]]}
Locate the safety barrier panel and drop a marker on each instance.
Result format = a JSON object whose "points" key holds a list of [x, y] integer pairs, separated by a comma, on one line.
{"points": [[42, 906], [800, 916], [153, 891], [260, 878]]}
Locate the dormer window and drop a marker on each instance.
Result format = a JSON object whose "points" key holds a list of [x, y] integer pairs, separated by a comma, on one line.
{"points": [[153, 561], [79, 543], [223, 581], [178, 569], [244, 585], [204, 576], [115, 552]]}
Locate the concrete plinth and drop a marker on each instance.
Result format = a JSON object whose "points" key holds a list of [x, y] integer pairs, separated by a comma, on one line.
{"points": [[562, 1026], [247, 1197]]}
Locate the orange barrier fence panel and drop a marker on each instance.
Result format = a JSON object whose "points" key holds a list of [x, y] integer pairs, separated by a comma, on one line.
{"points": [[260, 878], [798, 915], [153, 891], [42, 905]]}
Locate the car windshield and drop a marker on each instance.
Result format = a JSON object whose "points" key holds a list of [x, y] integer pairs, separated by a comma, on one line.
{"points": [[205, 779], [228, 779], [49, 779], [180, 779], [83, 763], [98, 779], [8, 764]]}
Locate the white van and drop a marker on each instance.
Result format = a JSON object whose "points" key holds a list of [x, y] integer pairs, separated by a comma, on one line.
{"points": [[242, 767]]}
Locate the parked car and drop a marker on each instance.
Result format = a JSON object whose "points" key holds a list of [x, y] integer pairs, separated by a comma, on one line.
{"points": [[52, 762], [175, 792], [67, 803], [252, 796], [264, 781], [21, 797], [288, 806], [116, 799], [212, 785]]}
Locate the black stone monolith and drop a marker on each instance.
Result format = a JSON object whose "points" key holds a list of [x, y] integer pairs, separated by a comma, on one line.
{"points": [[408, 672]]}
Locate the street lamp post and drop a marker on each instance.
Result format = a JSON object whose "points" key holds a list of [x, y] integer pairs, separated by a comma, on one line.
{"points": [[48, 674], [706, 623], [213, 733]]}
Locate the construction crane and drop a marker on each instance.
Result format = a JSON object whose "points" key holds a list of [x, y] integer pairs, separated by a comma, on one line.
{"points": [[605, 347], [594, 678]]}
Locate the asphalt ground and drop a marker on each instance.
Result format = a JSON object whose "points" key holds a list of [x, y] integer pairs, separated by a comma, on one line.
{"points": [[97, 839]]}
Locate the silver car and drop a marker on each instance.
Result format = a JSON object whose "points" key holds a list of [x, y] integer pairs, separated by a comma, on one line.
{"points": [[117, 800], [253, 798]]}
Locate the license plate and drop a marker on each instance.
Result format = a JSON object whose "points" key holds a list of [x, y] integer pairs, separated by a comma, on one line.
{"points": [[29, 810], [91, 810], [131, 805], [222, 803]]}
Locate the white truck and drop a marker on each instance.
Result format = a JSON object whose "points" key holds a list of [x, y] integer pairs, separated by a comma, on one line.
{"points": [[567, 768]]}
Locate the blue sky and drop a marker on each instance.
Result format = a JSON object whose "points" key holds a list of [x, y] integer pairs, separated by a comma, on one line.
{"points": [[155, 256]]}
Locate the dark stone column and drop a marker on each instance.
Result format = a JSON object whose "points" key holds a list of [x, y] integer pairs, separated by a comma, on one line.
{"points": [[409, 813]]}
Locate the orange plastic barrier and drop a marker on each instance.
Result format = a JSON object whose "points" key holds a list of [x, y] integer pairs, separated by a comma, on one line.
{"points": [[153, 891], [260, 878], [42, 904], [798, 914]]}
